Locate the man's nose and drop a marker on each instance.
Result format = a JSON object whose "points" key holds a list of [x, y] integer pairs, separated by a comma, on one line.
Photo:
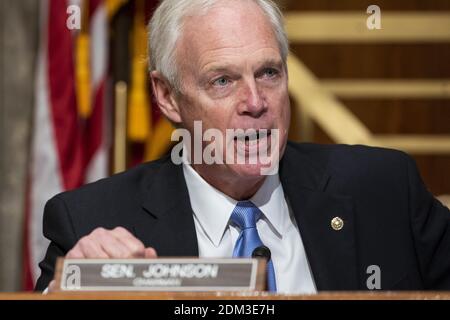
{"points": [[252, 103]]}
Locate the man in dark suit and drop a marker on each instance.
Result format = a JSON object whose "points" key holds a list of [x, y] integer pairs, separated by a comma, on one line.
{"points": [[333, 216]]}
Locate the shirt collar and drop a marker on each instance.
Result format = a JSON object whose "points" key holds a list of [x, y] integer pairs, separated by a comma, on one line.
{"points": [[213, 208], [270, 200]]}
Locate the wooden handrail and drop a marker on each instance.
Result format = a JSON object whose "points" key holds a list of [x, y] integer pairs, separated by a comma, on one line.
{"points": [[350, 26], [323, 107], [317, 104], [388, 88]]}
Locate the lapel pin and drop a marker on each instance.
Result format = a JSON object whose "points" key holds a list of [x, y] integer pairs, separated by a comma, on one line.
{"points": [[337, 223]]}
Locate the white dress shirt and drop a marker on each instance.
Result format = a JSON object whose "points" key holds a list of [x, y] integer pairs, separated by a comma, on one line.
{"points": [[277, 229]]}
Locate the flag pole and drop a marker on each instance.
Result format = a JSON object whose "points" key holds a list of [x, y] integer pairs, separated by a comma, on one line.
{"points": [[120, 130]]}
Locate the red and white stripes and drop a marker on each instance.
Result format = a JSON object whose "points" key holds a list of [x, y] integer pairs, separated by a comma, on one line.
{"points": [[66, 151]]}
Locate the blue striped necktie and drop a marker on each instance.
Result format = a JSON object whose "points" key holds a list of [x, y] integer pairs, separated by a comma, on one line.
{"points": [[245, 215]]}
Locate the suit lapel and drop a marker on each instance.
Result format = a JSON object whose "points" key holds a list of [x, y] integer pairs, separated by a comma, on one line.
{"points": [[166, 221], [331, 253]]}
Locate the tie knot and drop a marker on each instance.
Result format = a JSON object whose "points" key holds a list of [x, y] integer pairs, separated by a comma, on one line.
{"points": [[245, 215]]}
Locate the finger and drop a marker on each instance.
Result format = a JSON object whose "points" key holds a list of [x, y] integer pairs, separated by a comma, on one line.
{"points": [[112, 246], [135, 246], [75, 253], [91, 248], [52, 286], [150, 253]]}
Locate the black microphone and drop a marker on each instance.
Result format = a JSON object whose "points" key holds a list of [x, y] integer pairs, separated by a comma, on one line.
{"points": [[261, 252]]}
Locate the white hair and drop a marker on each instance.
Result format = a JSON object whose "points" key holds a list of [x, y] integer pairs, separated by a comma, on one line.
{"points": [[166, 25]]}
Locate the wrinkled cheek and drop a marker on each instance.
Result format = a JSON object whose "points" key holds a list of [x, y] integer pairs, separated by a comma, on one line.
{"points": [[287, 114], [284, 113], [284, 123]]}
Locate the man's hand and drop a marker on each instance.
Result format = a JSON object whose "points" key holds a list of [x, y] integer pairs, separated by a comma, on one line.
{"points": [[103, 244], [118, 243]]}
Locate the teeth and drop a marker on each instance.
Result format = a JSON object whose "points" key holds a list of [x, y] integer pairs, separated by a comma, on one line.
{"points": [[263, 133], [254, 135]]}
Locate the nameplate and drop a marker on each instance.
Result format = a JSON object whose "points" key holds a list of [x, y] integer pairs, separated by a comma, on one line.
{"points": [[165, 274]]}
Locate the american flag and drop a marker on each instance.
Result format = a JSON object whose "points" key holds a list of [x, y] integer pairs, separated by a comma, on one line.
{"points": [[69, 144]]}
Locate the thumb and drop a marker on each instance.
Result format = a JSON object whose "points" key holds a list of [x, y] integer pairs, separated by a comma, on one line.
{"points": [[52, 286], [150, 253]]}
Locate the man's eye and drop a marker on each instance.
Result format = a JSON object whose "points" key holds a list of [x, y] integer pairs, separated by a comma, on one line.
{"points": [[221, 82], [270, 72]]}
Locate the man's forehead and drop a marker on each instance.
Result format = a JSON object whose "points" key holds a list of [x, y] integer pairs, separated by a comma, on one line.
{"points": [[228, 32]]}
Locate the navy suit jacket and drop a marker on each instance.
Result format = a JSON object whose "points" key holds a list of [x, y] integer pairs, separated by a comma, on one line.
{"points": [[390, 219]]}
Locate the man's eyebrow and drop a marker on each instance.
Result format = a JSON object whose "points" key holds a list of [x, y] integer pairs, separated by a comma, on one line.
{"points": [[219, 68], [229, 67], [272, 63]]}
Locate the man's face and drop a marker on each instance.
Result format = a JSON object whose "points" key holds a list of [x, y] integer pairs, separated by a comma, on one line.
{"points": [[233, 77]]}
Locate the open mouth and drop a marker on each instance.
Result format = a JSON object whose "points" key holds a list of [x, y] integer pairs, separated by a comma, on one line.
{"points": [[252, 136]]}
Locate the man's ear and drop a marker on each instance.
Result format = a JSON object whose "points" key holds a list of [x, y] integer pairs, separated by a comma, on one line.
{"points": [[164, 95]]}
